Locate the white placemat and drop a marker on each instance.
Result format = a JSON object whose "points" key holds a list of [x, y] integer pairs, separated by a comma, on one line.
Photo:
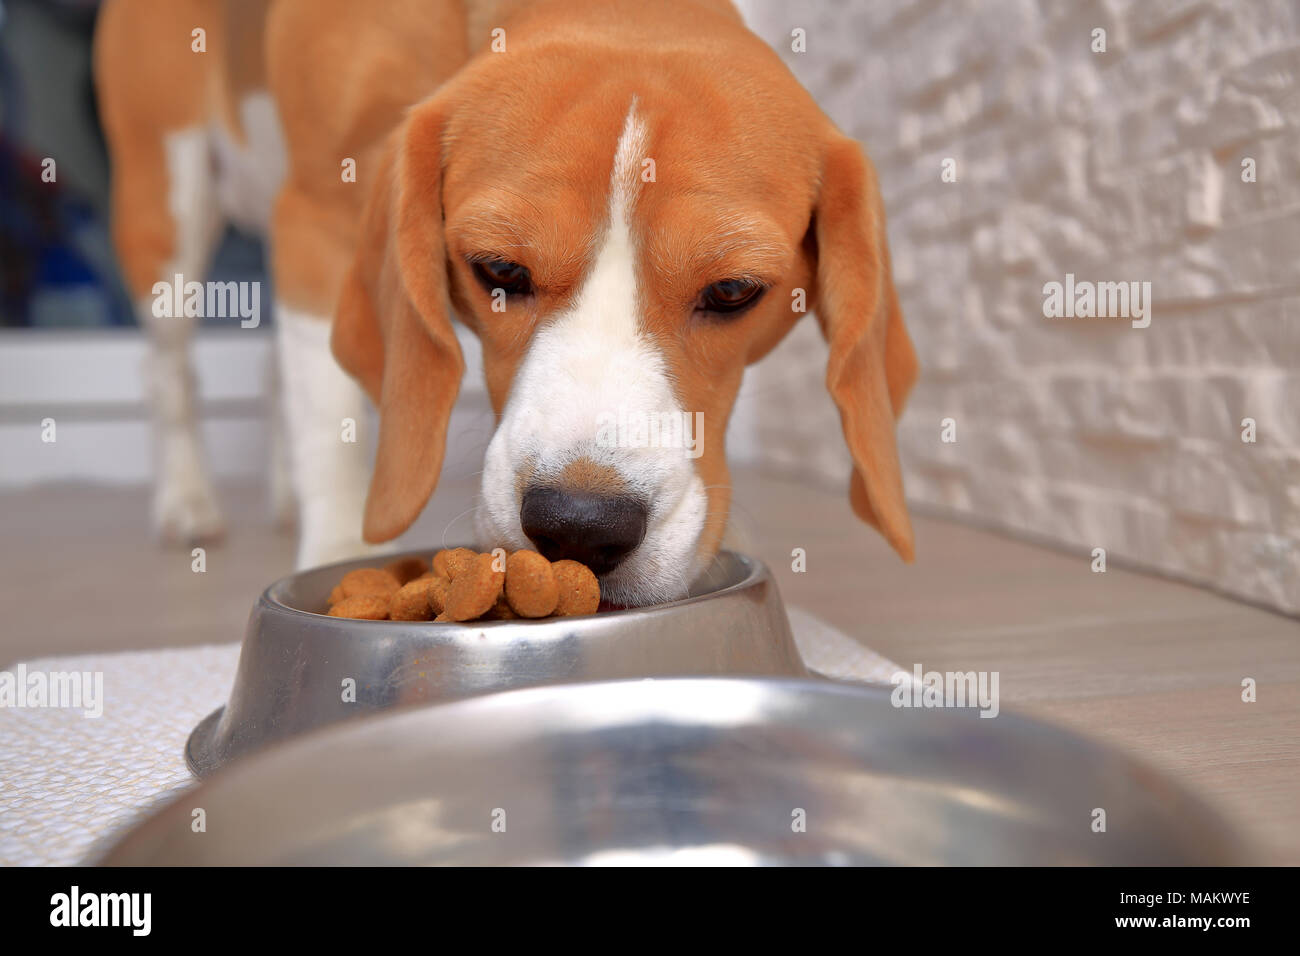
{"points": [[67, 781]]}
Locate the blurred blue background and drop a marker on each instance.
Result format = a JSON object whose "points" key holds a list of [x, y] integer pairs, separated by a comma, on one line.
{"points": [[57, 267]]}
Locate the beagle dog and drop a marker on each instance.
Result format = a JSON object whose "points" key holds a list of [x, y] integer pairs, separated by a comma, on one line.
{"points": [[626, 202]]}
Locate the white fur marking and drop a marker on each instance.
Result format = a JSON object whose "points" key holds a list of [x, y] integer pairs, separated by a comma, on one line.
{"points": [[249, 174], [185, 507], [589, 362], [329, 474]]}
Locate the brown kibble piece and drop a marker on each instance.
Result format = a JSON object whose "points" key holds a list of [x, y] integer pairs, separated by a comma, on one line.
{"points": [[436, 593], [530, 584], [368, 607], [449, 563], [579, 591], [474, 589], [411, 602], [500, 611], [369, 581], [406, 570], [530, 587]]}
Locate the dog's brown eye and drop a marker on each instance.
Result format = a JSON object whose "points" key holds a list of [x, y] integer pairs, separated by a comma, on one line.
{"points": [[500, 274], [730, 295]]}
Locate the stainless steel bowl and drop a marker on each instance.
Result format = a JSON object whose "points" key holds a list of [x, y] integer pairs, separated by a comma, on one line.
{"points": [[296, 659], [697, 770]]}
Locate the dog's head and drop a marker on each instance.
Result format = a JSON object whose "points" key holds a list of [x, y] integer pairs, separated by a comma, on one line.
{"points": [[625, 227]]}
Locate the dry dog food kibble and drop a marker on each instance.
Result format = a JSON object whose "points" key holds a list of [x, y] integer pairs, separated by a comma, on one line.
{"points": [[437, 593], [464, 586], [407, 570], [375, 581], [368, 607], [448, 564], [475, 587], [578, 589], [530, 584], [501, 610], [411, 602]]}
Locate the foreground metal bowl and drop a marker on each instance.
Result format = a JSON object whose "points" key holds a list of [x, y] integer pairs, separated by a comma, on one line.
{"points": [[750, 771], [300, 669]]}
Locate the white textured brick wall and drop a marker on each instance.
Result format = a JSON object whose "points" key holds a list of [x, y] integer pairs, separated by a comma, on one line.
{"points": [[1124, 165]]}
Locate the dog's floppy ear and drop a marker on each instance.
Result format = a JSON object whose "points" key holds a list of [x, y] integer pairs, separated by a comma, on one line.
{"points": [[392, 329], [872, 365]]}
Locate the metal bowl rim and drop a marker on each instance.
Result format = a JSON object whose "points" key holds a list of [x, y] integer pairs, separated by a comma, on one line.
{"points": [[199, 745]]}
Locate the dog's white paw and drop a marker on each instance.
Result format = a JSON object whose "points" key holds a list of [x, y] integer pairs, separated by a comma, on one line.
{"points": [[187, 514], [185, 509]]}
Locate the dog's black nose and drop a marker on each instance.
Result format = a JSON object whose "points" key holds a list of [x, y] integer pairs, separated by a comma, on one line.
{"points": [[598, 530]]}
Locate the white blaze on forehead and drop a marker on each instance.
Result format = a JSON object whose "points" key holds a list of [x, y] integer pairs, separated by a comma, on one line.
{"points": [[595, 357], [631, 153], [607, 304], [591, 362]]}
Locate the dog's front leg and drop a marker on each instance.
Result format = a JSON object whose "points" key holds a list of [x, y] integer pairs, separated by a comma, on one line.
{"points": [[180, 229], [324, 414], [185, 509]]}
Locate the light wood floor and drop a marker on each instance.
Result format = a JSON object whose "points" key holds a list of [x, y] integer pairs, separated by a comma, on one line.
{"points": [[1150, 665]]}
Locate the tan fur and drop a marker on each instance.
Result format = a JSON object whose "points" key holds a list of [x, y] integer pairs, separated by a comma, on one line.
{"points": [[150, 84], [583, 474], [341, 77]]}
